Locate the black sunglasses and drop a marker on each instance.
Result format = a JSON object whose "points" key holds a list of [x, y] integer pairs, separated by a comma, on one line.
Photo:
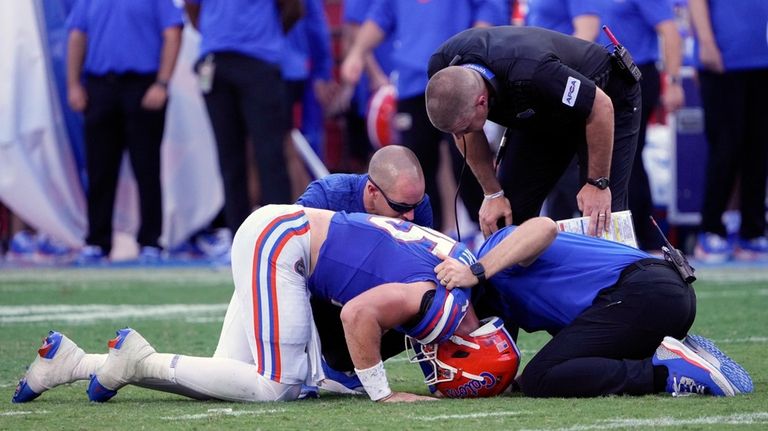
{"points": [[398, 207]]}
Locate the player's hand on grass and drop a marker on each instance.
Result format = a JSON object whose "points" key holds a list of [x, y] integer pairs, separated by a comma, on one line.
{"points": [[405, 397]]}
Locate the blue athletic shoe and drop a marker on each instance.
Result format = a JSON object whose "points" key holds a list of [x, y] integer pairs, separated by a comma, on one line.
{"points": [[149, 255], [751, 250], [126, 351], [51, 250], [707, 349], [309, 392], [690, 373], [341, 382], [55, 361], [23, 247], [712, 248], [91, 255]]}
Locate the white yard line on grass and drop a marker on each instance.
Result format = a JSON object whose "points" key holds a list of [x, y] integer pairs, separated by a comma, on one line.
{"points": [[21, 412], [735, 419], [91, 312], [732, 275], [221, 412], [744, 340], [466, 416], [730, 293]]}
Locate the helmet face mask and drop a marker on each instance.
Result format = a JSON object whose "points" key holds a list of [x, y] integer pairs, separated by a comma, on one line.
{"points": [[482, 364]]}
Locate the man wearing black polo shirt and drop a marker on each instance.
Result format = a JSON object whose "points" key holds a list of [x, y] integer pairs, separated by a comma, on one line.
{"points": [[559, 96]]}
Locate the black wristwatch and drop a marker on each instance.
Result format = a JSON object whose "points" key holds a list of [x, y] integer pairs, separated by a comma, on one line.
{"points": [[601, 183], [478, 271]]}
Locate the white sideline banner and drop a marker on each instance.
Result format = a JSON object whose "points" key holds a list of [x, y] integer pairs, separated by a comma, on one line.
{"points": [[38, 175]]}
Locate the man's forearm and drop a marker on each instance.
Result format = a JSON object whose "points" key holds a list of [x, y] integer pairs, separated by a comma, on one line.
{"points": [[586, 27], [672, 48], [169, 53], [520, 247], [700, 19], [76, 47], [368, 37], [480, 160], [600, 136]]}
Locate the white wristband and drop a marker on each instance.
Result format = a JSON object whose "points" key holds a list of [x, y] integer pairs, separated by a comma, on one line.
{"points": [[374, 381], [498, 194]]}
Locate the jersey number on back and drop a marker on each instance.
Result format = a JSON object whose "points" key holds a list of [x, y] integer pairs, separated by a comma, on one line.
{"points": [[434, 241]]}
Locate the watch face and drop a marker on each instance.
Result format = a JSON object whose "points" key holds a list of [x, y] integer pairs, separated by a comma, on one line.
{"points": [[601, 183]]}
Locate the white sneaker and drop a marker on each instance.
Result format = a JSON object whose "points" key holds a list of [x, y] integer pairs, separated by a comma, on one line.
{"points": [[126, 351], [56, 360]]}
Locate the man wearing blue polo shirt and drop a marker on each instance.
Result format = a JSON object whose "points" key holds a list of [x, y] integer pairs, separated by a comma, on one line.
{"points": [[618, 317], [120, 57], [733, 71], [393, 187], [241, 81]]}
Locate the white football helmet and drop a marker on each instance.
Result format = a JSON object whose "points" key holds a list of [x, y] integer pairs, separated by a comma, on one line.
{"points": [[482, 364]]}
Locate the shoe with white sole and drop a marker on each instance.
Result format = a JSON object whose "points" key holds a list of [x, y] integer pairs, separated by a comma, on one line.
{"points": [[690, 373], [56, 360], [341, 382], [126, 351], [707, 349]]}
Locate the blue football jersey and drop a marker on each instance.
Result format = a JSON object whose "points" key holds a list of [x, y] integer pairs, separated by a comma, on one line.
{"points": [[560, 284], [363, 251]]}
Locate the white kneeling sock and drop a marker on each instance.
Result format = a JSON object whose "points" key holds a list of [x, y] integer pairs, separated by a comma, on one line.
{"points": [[229, 380]]}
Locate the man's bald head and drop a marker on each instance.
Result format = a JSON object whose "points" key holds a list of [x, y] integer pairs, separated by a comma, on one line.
{"points": [[393, 165], [451, 96]]}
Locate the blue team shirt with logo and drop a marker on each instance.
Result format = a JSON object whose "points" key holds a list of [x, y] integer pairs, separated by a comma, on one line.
{"points": [[344, 192], [363, 251], [561, 283]]}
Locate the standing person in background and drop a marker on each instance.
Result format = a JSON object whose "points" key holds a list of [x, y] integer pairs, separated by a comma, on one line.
{"points": [[240, 51], [120, 56], [378, 66], [306, 63], [578, 18], [418, 28], [733, 72], [639, 25]]}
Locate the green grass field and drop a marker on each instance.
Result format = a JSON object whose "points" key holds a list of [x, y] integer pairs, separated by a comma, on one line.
{"points": [[181, 310]]}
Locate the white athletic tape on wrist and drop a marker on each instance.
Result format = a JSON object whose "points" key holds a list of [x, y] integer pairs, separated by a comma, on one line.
{"points": [[374, 381]]}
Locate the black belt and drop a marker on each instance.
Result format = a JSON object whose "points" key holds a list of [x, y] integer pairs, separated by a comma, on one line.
{"points": [[643, 263]]}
